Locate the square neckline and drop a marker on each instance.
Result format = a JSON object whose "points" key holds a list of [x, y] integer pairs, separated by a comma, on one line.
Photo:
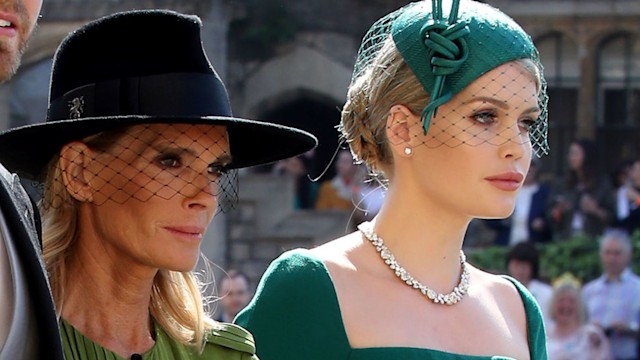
{"points": [[336, 305]]}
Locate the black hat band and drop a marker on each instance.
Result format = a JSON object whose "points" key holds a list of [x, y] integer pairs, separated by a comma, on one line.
{"points": [[176, 94]]}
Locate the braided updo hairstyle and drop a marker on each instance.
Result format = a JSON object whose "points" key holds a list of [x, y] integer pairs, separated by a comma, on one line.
{"points": [[389, 81]]}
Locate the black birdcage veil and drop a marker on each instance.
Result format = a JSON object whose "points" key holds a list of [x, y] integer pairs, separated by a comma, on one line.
{"points": [[179, 164], [442, 53]]}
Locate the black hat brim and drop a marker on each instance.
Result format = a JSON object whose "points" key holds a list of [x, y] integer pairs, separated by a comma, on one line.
{"points": [[28, 149]]}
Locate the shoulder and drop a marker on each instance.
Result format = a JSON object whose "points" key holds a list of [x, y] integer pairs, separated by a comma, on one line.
{"points": [[504, 292], [592, 286], [632, 284], [632, 276], [294, 265], [515, 301], [295, 280], [338, 253], [520, 303], [518, 292], [231, 337], [500, 286], [294, 306]]}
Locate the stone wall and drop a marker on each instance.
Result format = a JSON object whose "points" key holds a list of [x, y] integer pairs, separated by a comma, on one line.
{"points": [[265, 224]]}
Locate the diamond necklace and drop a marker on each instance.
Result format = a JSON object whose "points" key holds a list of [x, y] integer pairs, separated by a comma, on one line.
{"points": [[449, 299]]}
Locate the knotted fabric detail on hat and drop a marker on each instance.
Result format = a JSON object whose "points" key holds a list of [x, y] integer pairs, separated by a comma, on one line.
{"points": [[170, 95], [447, 52]]}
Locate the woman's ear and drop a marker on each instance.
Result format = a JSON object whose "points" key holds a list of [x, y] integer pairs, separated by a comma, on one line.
{"points": [[399, 123], [74, 161]]}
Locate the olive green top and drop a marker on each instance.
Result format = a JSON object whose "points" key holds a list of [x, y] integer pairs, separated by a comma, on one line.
{"points": [[295, 315], [227, 342]]}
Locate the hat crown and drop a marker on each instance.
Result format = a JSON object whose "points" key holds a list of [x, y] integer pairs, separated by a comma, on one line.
{"points": [[128, 64], [494, 38]]}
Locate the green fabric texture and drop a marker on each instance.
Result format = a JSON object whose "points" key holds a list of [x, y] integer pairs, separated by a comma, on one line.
{"points": [[295, 315], [229, 342], [493, 39]]}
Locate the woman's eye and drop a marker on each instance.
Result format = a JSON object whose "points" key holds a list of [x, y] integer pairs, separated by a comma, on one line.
{"points": [[217, 170], [527, 124], [485, 117], [169, 162]]}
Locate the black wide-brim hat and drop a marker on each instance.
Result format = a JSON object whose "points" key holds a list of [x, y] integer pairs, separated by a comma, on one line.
{"points": [[140, 67]]}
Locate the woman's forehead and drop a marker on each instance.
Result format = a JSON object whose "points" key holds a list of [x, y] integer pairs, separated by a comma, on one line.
{"points": [[199, 140], [169, 131], [509, 81]]}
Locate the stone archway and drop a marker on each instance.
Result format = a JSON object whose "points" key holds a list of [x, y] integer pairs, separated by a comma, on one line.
{"points": [[304, 88], [317, 115], [302, 68]]}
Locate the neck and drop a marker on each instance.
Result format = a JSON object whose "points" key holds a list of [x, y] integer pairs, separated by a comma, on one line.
{"points": [[226, 317], [614, 276], [424, 238], [109, 301]]}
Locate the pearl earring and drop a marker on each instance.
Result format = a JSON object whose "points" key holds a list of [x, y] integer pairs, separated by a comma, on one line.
{"points": [[407, 151]]}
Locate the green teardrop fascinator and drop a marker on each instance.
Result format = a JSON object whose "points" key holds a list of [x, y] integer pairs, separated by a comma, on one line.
{"points": [[449, 44]]}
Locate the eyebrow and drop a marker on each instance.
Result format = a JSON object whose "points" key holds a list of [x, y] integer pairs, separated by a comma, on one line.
{"points": [[499, 103], [224, 159]]}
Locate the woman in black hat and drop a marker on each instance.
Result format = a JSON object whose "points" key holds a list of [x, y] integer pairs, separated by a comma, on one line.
{"points": [[138, 150]]}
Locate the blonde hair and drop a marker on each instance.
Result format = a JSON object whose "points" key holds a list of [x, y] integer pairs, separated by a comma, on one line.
{"points": [[387, 81], [575, 292], [176, 302]]}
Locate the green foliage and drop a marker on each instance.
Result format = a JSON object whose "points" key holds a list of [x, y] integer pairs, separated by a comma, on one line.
{"points": [[578, 255]]}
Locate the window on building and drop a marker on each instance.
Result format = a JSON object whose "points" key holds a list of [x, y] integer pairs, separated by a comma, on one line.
{"points": [[618, 96], [619, 81], [559, 56]]}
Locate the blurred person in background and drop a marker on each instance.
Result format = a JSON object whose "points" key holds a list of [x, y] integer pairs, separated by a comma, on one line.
{"points": [[583, 202], [612, 301], [570, 337], [341, 192], [628, 200], [523, 263], [299, 168], [234, 294]]}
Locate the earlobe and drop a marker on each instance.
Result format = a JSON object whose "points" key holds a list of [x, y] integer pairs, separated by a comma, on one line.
{"points": [[399, 122], [74, 159]]}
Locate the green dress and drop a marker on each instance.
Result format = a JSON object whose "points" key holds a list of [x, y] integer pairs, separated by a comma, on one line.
{"points": [[228, 342], [295, 315]]}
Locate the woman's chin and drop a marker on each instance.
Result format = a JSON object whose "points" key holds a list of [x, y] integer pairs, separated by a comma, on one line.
{"points": [[497, 214], [182, 265]]}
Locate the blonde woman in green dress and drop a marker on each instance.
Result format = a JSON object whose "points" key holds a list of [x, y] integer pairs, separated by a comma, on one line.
{"points": [[137, 155], [448, 102]]}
